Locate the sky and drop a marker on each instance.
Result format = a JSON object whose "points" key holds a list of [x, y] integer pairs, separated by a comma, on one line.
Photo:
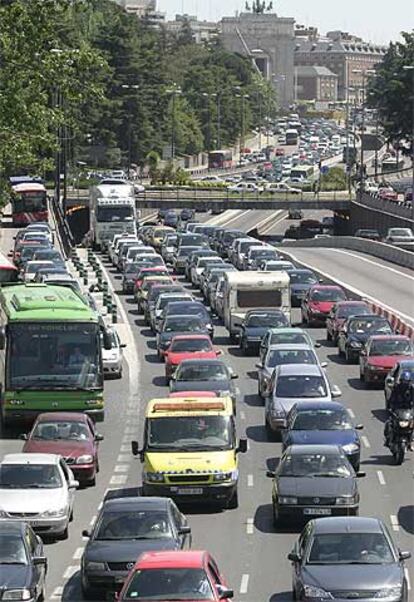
{"points": [[378, 21]]}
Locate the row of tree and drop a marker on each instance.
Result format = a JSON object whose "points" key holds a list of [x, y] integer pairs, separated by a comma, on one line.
{"points": [[111, 87]]}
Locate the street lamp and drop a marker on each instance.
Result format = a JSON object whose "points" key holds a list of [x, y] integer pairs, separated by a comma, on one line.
{"points": [[347, 161], [243, 98], [363, 73], [411, 68], [129, 87], [208, 96], [174, 91]]}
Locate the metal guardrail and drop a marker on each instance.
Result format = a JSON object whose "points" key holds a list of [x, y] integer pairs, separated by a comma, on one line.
{"points": [[394, 208], [65, 232]]}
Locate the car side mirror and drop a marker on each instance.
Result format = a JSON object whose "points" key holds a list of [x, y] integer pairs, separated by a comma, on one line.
{"points": [[359, 427], [24, 436], [86, 533], [317, 345], [99, 437], [363, 352], [40, 560], [259, 366], [224, 593], [324, 364], [2, 338], [73, 485], [242, 447], [294, 557], [135, 448], [184, 530], [270, 474], [404, 555], [234, 375], [336, 391], [361, 474]]}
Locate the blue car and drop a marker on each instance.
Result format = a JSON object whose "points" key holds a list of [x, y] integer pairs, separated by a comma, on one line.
{"points": [[326, 423]]}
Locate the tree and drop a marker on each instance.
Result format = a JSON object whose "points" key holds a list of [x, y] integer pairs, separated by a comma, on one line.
{"points": [[391, 90]]}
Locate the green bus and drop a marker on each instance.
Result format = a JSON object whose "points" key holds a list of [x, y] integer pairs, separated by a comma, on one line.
{"points": [[50, 353]]}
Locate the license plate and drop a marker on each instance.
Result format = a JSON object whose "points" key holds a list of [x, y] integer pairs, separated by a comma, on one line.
{"points": [[317, 511], [190, 491]]}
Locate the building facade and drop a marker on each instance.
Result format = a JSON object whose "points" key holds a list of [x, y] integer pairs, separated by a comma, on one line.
{"points": [[143, 9], [269, 41], [316, 83], [203, 31]]}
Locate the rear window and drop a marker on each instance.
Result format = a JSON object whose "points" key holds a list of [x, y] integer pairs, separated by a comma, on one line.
{"points": [[259, 298]]}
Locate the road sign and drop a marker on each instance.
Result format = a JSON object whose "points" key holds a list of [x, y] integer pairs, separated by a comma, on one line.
{"points": [[324, 169]]}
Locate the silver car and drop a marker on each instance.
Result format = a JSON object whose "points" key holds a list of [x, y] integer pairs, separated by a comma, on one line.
{"points": [[292, 384], [112, 358]]}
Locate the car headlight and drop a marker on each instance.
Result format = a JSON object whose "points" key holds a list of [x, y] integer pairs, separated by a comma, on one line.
{"points": [[311, 591], [92, 402], [95, 566], [55, 513], [344, 500], [275, 413], [287, 500], [349, 448], [154, 477], [222, 476], [404, 424], [85, 459], [389, 592], [372, 367], [355, 344], [17, 594]]}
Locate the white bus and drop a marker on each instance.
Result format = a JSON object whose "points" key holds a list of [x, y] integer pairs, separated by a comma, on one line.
{"points": [[253, 290], [112, 211]]}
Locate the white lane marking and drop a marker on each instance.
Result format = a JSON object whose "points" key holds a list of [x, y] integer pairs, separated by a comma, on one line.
{"points": [[394, 522], [250, 526], [123, 458], [57, 593], [244, 585], [351, 413], [385, 267], [70, 571], [121, 468], [242, 416], [130, 430], [78, 554], [365, 441], [381, 477], [119, 479], [272, 224], [267, 219], [250, 482], [125, 447], [407, 576], [351, 288], [242, 214]]}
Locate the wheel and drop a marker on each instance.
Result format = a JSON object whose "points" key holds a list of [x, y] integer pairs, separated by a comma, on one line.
{"points": [[92, 482], [399, 454], [328, 336], [41, 596], [233, 502], [245, 347], [349, 357], [294, 593], [65, 534], [71, 516], [275, 516], [361, 376]]}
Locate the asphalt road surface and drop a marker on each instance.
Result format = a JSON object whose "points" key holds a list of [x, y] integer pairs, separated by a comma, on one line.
{"points": [[250, 552]]}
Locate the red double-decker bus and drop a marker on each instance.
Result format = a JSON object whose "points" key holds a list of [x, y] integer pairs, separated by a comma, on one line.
{"points": [[220, 159], [29, 203]]}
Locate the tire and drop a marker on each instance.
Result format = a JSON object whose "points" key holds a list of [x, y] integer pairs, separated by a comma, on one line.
{"points": [[328, 336], [233, 502], [65, 534], [71, 516], [275, 517], [92, 482], [361, 376], [245, 347], [399, 455], [41, 596]]}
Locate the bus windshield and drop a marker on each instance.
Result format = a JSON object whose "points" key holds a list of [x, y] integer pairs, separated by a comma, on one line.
{"points": [[29, 201], [53, 356]]}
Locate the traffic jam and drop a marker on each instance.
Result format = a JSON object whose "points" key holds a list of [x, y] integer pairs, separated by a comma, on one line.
{"points": [[204, 294]]}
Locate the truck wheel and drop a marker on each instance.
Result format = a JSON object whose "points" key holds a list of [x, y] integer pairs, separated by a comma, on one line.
{"points": [[233, 502]]}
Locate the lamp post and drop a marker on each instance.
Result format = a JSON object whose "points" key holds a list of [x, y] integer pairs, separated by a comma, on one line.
{"points": [[411, 68], [174, 91], [129, 87], [218, 120], [208, 96], [243, 97], [347, 161], [363, 73]]}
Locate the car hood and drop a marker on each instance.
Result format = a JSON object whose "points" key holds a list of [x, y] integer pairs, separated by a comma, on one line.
{"points": [[297, 287], [322, 306], [201, 385], [32, 500], [287, 403], [15, 576], [67, 449], [316, 486], [342, 437], [195, 461], [334, 577], [125, 551], [385, 361], [177, 358]]}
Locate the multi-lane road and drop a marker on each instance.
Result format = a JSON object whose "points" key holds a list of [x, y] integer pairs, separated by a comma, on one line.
{"points": [[250, 552]]}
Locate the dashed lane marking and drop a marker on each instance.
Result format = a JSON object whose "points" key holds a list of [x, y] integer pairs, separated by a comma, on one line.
{"points": [[118, 479], [394, 522], [351, 412], [78, 554], [125, 448], [244, 585], [242, 416], [381, 477], [365, 441], [250, 482], [250, 526], [123, 458], [121, 468], [70, 571], [407, 577], [57, 593]]}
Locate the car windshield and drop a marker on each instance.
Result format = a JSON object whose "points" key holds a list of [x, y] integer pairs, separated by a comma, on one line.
{"points": [[266, 320], [322, 420], [60, 355], [401, 232], [189, 432], [190, 309], [114, 213], [199, 371], [277, 357], [366, 325], [192, 240], [185, 251], [314, 465], [29, 476], [393, 347], [300, 386], [191, 345], [169, 584], [48, 255], [68, 430], [327, 294], [183, 324], [263, 254], [302, 278], [12, 549], [168, 299], [350, 548], [284, 338], [134, 524], [352, 310]]}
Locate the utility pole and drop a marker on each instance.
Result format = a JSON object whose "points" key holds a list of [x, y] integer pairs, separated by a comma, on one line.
{"points": [[364, 73], [218, 121], [174, 91], [129, 105], [242, 133]]}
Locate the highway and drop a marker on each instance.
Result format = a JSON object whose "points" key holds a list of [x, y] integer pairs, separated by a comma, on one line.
{"points": [[249, 551]]}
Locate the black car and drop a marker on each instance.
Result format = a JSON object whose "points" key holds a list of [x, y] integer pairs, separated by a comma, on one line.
{"points": [[368, 233], [175, 325], [313, 480], [190, 308], [348, 558], [127, 526], [187, 214], [300, 283], [356, 332], [23, 566], [256, 324], [171, 219]]}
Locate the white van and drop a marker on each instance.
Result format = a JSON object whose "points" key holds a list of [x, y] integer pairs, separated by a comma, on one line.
{"points": [[253, 290]]}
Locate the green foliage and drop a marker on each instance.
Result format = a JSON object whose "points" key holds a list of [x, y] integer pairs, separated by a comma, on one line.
{"points": [[391, 90], [335, 179]]}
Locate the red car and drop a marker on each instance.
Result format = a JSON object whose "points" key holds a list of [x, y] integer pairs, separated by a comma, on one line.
{"points": [[388, 194], [381, 353], [188, 347], [158, 270], [319, 301], [175, 575], [339, 313], [72, 436], [280, 152]]}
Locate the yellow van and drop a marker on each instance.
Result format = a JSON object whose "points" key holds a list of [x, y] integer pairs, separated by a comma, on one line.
{"points": [[190, 450]]}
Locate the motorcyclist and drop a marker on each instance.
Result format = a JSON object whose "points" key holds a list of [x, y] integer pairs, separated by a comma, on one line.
{"points": [[402, 398]]}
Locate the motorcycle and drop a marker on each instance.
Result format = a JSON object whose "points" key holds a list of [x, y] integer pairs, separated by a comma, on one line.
{"points": [[399, 433]]}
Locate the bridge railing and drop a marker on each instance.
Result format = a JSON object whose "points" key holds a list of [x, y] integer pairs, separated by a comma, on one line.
{"points": [[395, 208]]}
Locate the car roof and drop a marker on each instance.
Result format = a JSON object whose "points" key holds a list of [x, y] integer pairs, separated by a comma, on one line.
{"points": [[347, 524], [62, 416], [388, 337], [186, 337], [299, 370], [172, 558], [136, 502], [326, 286], [211, 361], [304, 406], [290, 346], [288, 330], [301, 450], [30, 458]]}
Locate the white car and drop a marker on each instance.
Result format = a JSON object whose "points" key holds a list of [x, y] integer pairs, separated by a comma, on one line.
{"points": [[32, 267], [112, 358], [41, 227], [38, 489], [243, 187], [282, 187]]}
